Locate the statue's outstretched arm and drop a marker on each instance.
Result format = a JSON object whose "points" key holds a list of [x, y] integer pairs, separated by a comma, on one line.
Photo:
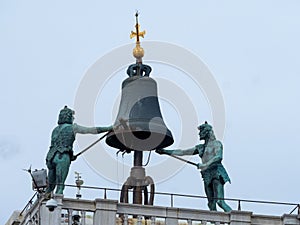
{"points": [[180, 152], [104, 129], [90, 130]]}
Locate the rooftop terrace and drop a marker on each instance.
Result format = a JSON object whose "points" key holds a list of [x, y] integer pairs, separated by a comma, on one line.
{"points": [[104, 211]]}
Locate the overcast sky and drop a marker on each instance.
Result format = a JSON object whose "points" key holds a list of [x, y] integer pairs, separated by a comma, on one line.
{"points": [[251, 48]]}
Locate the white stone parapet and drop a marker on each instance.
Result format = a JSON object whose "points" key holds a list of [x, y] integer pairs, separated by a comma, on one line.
{"points": [[110, 212]]}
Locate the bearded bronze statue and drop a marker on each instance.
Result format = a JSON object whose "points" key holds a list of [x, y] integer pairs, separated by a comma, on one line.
{"points": [[213, 173]]}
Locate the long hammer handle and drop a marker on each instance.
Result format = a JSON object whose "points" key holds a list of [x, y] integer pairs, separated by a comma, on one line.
{"points": [[91, 145], [181, 159], [122, 121]]}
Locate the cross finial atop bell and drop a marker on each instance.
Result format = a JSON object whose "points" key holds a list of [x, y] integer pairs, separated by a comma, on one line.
{"points": [[138, 51]]}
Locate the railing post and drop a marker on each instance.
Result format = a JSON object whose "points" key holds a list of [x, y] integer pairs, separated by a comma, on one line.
{"points": [[83, 217], [105, 195], [125, 219], [239, 205], [139, 220], [106, 211], [70, 213], [172, 200], [153, 220]]}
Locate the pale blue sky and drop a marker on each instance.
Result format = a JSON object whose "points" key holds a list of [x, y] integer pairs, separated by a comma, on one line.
{"points": [[251, 47]]}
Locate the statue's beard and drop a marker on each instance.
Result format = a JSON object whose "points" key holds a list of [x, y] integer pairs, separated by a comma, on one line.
{"points": [[204, 137]]}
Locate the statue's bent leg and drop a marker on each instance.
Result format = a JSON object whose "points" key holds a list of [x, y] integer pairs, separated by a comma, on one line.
{"points": [[210, 197], [62, 169], [219, 190]]}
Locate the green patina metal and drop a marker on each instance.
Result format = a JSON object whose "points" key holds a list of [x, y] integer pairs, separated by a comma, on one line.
{"points": [[213, 173], [60, 154]]}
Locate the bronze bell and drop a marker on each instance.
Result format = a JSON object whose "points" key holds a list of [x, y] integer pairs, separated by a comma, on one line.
{"points": [[139, 124]]}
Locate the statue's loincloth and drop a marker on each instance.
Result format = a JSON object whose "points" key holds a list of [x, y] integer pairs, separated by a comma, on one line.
{"points": [[215, 171]]}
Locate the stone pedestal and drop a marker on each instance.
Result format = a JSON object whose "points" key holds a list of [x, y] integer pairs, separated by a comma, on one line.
{"points": [[240, 218], [54, 217], [288, 219], [171, 216], [106, 211]]}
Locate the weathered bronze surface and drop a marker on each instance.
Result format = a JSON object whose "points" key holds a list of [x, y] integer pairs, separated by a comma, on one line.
{"points": [[60, 154], [143, 128], [213, 173]]}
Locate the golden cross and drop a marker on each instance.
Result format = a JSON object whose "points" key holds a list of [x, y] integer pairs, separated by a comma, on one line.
{"points": [[137, 33]]}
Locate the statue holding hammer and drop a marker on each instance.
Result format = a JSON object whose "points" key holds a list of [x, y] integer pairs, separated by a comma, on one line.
{"points": [[60, 154], [213, 173]]}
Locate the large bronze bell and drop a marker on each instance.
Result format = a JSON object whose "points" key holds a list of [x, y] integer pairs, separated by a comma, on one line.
{"points": [[139, 124]]}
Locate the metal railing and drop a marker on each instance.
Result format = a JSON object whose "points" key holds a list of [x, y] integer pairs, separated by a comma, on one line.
{"points": [[167, 213], [172, 196]]}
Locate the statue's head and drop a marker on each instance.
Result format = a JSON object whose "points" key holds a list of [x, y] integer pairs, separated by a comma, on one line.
{"points": [[66, 116], [205, 131]]}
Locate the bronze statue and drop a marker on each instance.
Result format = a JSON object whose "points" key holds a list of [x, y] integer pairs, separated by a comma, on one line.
{"points": [[60, 154], [213, 173]]}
